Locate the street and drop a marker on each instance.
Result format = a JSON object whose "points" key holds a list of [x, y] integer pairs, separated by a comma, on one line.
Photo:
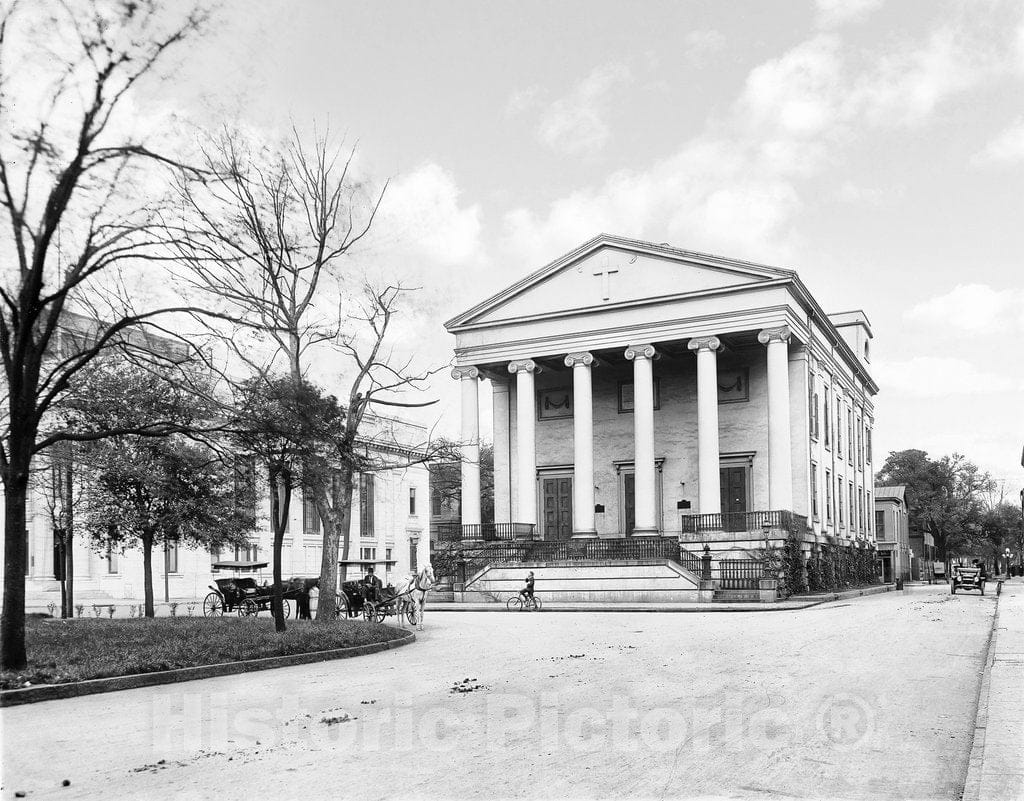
{"points": [[872, 698]]}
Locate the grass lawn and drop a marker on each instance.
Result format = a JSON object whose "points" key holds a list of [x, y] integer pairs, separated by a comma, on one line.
{"points": [[67, 651]]}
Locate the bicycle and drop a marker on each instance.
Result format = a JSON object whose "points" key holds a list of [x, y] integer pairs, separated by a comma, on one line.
{"points": [[518, 603]]}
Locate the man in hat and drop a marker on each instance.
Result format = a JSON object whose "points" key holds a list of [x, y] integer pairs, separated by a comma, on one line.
{"points": [[371, 585]]}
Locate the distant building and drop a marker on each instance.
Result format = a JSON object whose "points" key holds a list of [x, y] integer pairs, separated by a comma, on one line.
{"points": [[892, 532], [922, 544]]}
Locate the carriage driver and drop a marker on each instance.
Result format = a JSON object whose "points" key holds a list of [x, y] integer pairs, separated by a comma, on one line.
{"points": [[371, 586]]}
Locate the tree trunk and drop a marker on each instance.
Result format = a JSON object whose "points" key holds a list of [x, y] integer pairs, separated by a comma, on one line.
{"points": [[336, 517], [62, 568], [147, 573], [280, 503], [12, 621], [69, 572]]}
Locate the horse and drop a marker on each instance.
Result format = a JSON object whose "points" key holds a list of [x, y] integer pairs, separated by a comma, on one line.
{"points": [[412, 595]]}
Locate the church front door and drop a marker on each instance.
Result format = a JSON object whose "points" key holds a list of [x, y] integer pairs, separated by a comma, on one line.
{"points": [[557, 508], [734, 498]]}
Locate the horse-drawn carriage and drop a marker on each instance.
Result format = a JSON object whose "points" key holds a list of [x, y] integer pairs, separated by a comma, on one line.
{"points": [[355, 601], [243, 596]]}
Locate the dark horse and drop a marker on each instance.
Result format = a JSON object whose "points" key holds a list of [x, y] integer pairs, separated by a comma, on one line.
{"points": [[299, 589]]}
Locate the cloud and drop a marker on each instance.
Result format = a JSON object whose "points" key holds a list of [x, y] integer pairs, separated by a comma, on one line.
{"points": [[1007, 147], [424, 206], [832, 13], [939, 377], [575, 124], [972, 309]]}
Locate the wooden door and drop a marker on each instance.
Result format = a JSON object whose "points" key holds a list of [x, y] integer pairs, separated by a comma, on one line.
{"points": [[557, 508], [629, 501], [733, 481]]}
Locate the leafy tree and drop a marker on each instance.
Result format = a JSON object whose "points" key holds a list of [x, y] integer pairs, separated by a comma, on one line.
{"points": [[152, 491], [73, 215], [1001, 529], [944, 496], [288, 426]]}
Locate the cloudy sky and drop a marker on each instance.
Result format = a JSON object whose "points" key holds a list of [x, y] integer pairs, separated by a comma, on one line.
{"points": [[875, 147]]}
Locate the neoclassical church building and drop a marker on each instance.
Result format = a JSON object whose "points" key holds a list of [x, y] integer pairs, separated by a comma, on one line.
{"points": [[642, 391]]}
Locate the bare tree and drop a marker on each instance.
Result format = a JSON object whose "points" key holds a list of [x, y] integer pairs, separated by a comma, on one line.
{"points": [[74, 222], [267, 239]]}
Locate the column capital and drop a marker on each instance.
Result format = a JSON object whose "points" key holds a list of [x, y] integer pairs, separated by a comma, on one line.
{"points": [[711, 343], [643, 351], [465, 372], [523, 366], [780, 334], [579, 358]]}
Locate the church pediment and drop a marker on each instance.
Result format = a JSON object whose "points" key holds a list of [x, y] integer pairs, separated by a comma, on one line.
{"points": [[609, 272]]}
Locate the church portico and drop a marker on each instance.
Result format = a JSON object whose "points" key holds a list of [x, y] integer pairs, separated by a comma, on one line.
{"points": [[644, 392]]}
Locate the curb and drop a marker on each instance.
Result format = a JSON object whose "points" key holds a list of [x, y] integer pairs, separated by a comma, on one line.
{"points": [[54, 692], [805, 602], [976, 758]]}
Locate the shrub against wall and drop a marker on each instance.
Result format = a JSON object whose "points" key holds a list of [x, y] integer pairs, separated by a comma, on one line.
{"points": [[839, 567]]}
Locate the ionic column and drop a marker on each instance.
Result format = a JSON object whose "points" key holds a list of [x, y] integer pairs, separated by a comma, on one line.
{"points": [[526, 446], [780, 466], [709, 493], [583, 445], [646, 514], [468, 376]]}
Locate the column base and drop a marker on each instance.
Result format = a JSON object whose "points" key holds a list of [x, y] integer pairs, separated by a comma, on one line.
{"points": [[585, 535], [644, 532]]}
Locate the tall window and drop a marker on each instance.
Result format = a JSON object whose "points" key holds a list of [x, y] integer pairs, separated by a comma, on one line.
{"points": [[867, 435], [368, 554], [247, 553], [111, 560], [828, 423], [413, 566], [365, 505], [310, 515], [880, 525], [860, 509], [171, 549], [814, 490], [860, 443], [839, 430], [839, 498], [814, 415], [828, 494], [412, 500], [853, 509], [849, 437], [436, 501]]}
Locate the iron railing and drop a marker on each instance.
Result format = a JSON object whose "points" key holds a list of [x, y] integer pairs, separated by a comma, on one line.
{"points": [[740, 574], [485, 532], [751, 522]]}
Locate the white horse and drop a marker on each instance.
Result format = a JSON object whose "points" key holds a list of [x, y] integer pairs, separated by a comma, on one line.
{"points": [[412, 595]]}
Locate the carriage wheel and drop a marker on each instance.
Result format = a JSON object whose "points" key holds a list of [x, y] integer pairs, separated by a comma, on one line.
{"points": [[369, 612], [412, 612], [213, 605], [286, 608], [248, 608], [342, 608], [514, 604]]}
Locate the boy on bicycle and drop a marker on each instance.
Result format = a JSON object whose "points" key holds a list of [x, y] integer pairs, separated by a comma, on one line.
{"points": [[527, 591]]}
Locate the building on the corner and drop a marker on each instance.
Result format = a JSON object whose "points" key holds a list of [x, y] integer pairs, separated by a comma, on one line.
{"points": [[892, 533], [640, 390]]}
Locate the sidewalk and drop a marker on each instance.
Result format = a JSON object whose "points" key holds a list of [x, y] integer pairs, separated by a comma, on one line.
{"points": [[996, 769]]}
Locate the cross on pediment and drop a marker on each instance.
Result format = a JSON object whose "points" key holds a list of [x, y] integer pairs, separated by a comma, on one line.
{"points": [[606, 271]]}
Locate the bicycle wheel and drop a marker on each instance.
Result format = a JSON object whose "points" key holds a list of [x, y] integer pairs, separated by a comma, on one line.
{"points": [[536, 603], [514, 604]]}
